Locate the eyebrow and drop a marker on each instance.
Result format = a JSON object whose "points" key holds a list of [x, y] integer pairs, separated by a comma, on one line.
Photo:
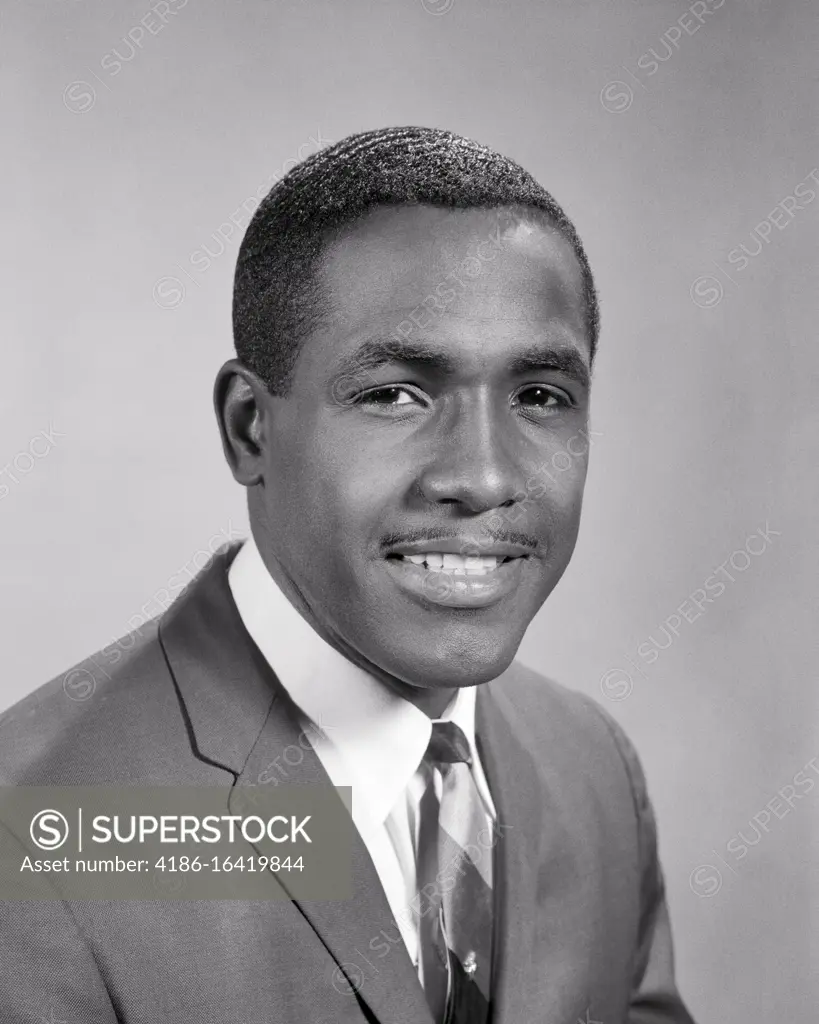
{"points": [[378, 352], [567, 361]]}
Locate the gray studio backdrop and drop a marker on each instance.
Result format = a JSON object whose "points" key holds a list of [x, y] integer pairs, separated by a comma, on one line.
{"points": [[682, 140]]}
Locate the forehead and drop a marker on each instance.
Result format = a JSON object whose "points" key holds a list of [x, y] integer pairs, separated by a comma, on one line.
{"points": [[463, 270]]}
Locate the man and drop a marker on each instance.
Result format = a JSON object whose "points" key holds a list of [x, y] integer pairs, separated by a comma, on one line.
{"points": [[415, 323]]}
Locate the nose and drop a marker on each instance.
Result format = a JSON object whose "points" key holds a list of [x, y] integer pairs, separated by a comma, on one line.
{"points": [[475, 462]]}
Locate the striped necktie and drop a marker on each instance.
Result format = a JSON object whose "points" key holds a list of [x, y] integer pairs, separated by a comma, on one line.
{"points": [[454, 883]]}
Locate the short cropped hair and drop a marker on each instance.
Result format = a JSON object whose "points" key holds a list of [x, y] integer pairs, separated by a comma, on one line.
{"points": [[276, 301]]}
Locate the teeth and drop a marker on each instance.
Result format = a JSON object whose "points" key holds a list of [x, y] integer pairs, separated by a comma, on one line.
{"points": [[472, 565]]}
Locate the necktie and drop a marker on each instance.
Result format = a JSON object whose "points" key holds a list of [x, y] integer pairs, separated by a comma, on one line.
{"points": [[455, 884]]}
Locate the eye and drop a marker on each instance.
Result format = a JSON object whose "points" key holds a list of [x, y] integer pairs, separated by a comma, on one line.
{"points": [[539, 396], [391, 395]]}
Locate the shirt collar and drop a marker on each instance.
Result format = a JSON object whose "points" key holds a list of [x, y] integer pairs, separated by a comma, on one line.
{"points": [[379, 736]]}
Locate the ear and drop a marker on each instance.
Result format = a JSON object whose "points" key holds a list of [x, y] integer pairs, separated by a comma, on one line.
{"points": [[241, 402]]}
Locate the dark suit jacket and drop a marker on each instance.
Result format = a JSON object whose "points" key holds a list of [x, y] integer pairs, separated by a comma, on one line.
{"points": [[582, 926]]}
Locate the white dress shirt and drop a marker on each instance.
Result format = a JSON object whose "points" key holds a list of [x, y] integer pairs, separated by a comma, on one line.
{"points": [[366, 736]]}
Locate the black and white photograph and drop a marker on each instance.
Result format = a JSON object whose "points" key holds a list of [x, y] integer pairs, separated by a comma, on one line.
{"points": [[408, 487]]}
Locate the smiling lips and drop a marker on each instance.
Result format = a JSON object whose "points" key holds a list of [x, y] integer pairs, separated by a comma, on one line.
{"points": [[461, 571], [445, 562], [454, 580]]}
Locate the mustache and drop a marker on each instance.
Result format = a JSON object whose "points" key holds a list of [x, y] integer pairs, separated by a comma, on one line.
{"points": [[468, 538]]}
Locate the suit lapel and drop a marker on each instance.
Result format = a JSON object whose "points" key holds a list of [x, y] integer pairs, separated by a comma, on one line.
{"points": [[240, 717], [512, 776], [362, 936], [548, 860]]}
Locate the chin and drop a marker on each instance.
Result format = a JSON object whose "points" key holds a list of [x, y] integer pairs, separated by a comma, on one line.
{"points": [[461, 657]]}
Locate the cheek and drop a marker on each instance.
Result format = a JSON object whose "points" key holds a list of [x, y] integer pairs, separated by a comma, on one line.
{"points": [[333, 505], [569, 500], [562, 501], [558, 482]]}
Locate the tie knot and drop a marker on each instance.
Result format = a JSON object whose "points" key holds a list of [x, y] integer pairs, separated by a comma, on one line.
{"points": [[448, 745]]}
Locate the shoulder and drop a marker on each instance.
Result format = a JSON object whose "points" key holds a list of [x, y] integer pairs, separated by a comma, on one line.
{"points": [[565, 724], [93, 722]]}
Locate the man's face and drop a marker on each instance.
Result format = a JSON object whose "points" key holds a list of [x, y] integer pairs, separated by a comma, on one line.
{"points": [[424, 476]]}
